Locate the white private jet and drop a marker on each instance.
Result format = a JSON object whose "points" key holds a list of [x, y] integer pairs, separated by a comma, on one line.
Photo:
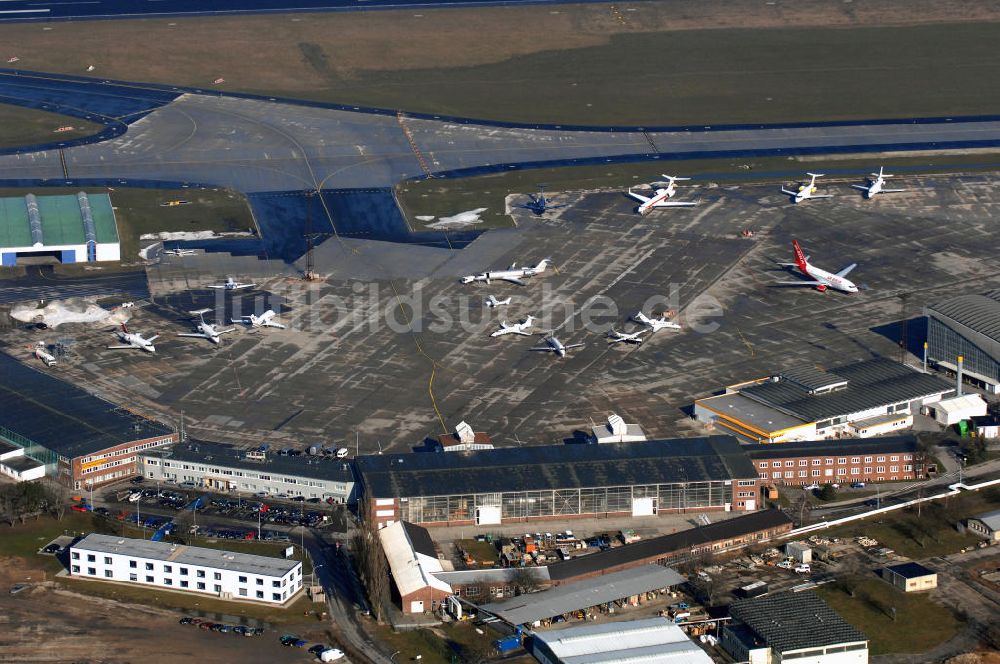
{"points": [[178, 252], [661, 198], [513, 274], [806, 190], [620, 337], [876, 185], [206, 330], [553, 345], [266, 319], [134, 340], [821, 278], [232, 284], [655, 324], [516, 328], [492, 302]]}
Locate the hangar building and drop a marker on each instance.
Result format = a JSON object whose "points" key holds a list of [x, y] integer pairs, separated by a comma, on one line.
{"points": [[485, 487], [81, 439], [967, 326], [860, 400], [72, 229]]}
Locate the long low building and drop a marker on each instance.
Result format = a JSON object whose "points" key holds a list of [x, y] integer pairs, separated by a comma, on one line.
{"points": [[488, 487], [631, 583], [224, 574], [648, 641], [81, 439], [225, 468], [860, 400], [890, 459], [719, 537], [67, 229]]}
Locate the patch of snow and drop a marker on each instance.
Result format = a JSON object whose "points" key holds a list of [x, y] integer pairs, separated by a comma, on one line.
{"points": [[467, 218], [61, 312], [179, 235]]}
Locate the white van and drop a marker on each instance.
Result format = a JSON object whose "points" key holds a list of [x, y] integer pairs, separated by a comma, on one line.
{"points": [[342, 453]]}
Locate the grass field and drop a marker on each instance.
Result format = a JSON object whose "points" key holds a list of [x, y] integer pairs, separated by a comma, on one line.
{"points": [[919, 623], [23, 541], [930, 533], [440, 645], [642, 63], [440, 197], [140, 211], [25, 126]]}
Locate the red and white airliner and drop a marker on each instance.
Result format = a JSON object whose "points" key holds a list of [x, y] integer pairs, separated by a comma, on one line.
{"points": [[821, 278], [661, 198]]}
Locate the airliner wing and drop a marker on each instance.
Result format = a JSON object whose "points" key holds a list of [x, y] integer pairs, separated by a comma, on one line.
{"points": [[217, 286], [515, 280], [228, 329], [277, 325], [892, 190], [568, 346], [193, 334], [860, 186], [153, 338], [120, 347], [673, 204], [847, 270], [800, 283], [543, 348], [790, 193], [638, 197], [239, 286], [822, 196]]}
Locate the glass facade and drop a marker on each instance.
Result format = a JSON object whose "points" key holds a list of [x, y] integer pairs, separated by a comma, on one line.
{"points": [[944, 344], [562, 502]]}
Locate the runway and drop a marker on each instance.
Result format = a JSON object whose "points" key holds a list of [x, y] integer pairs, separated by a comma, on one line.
{"points": [[36, 10]]}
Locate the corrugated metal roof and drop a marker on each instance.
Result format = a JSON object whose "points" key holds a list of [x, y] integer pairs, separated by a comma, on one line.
{"points": [[711, 458], [813, 379], [793, 621], [652, 641], [978, 312], [411, 570], [668, 544], [871, 384], [583, 594]]}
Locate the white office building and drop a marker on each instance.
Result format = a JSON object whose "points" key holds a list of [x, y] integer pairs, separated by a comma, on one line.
{"points": [[224, 468], [226, 575]]}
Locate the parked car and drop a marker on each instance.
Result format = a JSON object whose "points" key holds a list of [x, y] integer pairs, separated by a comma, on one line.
{"points": [[186, 621], [330, 655], [785, 564], [802, 568], [80, 508], [103, 511], [52, 548], [811, 487], [857, 485], [138, 479]]}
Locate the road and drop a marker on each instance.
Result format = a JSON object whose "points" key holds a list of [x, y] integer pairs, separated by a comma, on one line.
{"points": [[343, 593], [44, 10]]}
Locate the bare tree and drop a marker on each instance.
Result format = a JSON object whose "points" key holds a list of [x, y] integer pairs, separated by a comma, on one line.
{"points": [[372, 565], [524, 581]]}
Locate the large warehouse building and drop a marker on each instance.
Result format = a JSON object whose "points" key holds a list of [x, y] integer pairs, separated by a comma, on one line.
{"points": [[70, 229], [81, 439], [967, 326], [859, 400], [486, 487]]}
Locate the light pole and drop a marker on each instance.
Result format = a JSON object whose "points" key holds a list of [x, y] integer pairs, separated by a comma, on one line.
{"points": [[393, 655]]}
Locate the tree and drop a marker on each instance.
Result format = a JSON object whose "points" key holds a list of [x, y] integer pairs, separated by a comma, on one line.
{"points": [[524, 581], [827, 493], [372, 565]]}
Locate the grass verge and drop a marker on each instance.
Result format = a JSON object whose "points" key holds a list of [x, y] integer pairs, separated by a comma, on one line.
{"points": [[917, 625], [445, 197], [927, 533], [20, 127]]}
